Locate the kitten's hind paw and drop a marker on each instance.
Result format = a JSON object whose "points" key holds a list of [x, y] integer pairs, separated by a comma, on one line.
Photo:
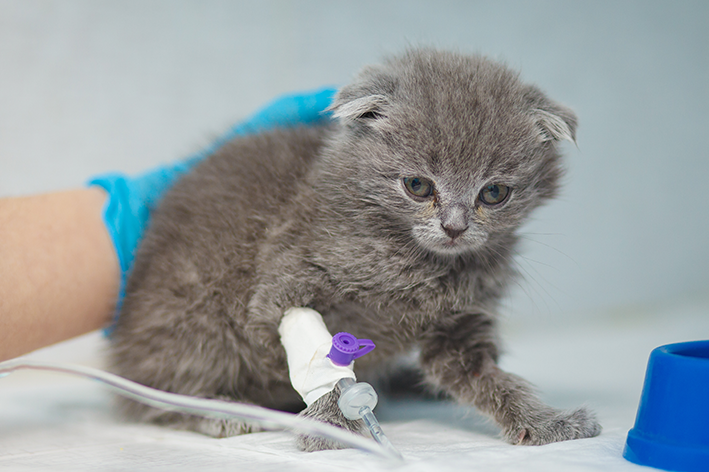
{"points": [[217, 428], [555, 426], [325, 409]]}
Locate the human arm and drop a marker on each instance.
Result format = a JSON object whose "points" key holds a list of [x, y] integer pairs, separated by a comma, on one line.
{"points": [[59, 274], [64, 256]]}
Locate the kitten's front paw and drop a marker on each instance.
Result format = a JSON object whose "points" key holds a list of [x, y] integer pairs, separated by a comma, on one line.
{"points": [[554, 426], [325, 409]]}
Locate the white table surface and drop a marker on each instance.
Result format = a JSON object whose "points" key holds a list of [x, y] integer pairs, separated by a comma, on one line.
{"points": [[56, 422]]}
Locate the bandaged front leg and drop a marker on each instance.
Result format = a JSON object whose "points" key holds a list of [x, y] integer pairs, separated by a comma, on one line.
{"points": [[314, 376]]}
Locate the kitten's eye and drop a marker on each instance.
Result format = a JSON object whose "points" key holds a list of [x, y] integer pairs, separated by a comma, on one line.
{"points": [[418, 187], [494, 194]]}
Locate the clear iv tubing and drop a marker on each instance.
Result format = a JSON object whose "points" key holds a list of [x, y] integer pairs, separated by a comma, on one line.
{"points": [[270, 419]]}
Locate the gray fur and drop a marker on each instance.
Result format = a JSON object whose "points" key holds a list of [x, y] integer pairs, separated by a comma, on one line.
{"points": [[325, 408], [320, 218]]}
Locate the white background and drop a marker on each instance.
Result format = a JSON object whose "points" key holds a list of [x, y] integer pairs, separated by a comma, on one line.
{"points": [[93, 86]]}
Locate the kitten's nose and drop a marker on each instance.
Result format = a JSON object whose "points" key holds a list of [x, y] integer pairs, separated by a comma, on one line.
{"points": [[454, 221], [452, 231]]}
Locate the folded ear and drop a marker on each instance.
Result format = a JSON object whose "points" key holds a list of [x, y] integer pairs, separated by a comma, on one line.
{"points": [[368, 108], [366, 99], [556, 123]]}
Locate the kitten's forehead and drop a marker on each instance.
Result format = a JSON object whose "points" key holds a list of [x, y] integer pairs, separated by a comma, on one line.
{"points": [[461, 113]]}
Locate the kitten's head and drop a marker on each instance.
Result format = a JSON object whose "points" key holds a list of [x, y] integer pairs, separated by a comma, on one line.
{"points": [[448, 150]]}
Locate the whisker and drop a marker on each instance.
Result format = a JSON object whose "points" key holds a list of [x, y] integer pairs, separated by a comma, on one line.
{"points": [[529, 259], [530, 278], [523, 236]]}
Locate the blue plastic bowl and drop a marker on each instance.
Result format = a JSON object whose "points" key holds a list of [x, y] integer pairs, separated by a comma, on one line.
{"points": [[672, 426]]}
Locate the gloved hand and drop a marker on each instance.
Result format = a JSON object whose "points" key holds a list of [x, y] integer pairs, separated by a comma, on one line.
{"points": [[131, 199]]}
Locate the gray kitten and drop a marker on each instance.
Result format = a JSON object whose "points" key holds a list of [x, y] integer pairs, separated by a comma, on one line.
{"points": [[396, 222]]}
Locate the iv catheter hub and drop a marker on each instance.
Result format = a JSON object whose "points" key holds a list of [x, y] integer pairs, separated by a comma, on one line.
{"points": [[355, 396]]}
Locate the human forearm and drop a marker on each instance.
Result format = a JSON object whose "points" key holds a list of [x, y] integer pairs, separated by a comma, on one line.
{"points": [[59, 275]]}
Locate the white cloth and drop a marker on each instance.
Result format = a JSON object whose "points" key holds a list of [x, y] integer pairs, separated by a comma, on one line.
{"points": [[65, 423], [307, 342]]}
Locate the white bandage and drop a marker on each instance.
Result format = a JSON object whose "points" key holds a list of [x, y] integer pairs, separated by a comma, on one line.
{"points": [[307, 342]]}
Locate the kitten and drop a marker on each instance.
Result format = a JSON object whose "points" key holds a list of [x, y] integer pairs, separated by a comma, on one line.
{"points": [[396, 222]]}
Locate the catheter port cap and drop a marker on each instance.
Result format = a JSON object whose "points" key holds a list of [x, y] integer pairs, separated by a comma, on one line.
{"points": [[346, 348]]}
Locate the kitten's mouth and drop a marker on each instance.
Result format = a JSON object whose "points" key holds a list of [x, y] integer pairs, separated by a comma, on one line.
{"points": [[451, 246], [458, 245], [445, 245]]}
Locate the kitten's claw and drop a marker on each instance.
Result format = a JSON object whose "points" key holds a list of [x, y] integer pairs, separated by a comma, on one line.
{"points": [[554, 426]]}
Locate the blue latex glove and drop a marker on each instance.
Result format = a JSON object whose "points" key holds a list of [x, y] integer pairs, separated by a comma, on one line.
{"points": [[131, 199]]}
